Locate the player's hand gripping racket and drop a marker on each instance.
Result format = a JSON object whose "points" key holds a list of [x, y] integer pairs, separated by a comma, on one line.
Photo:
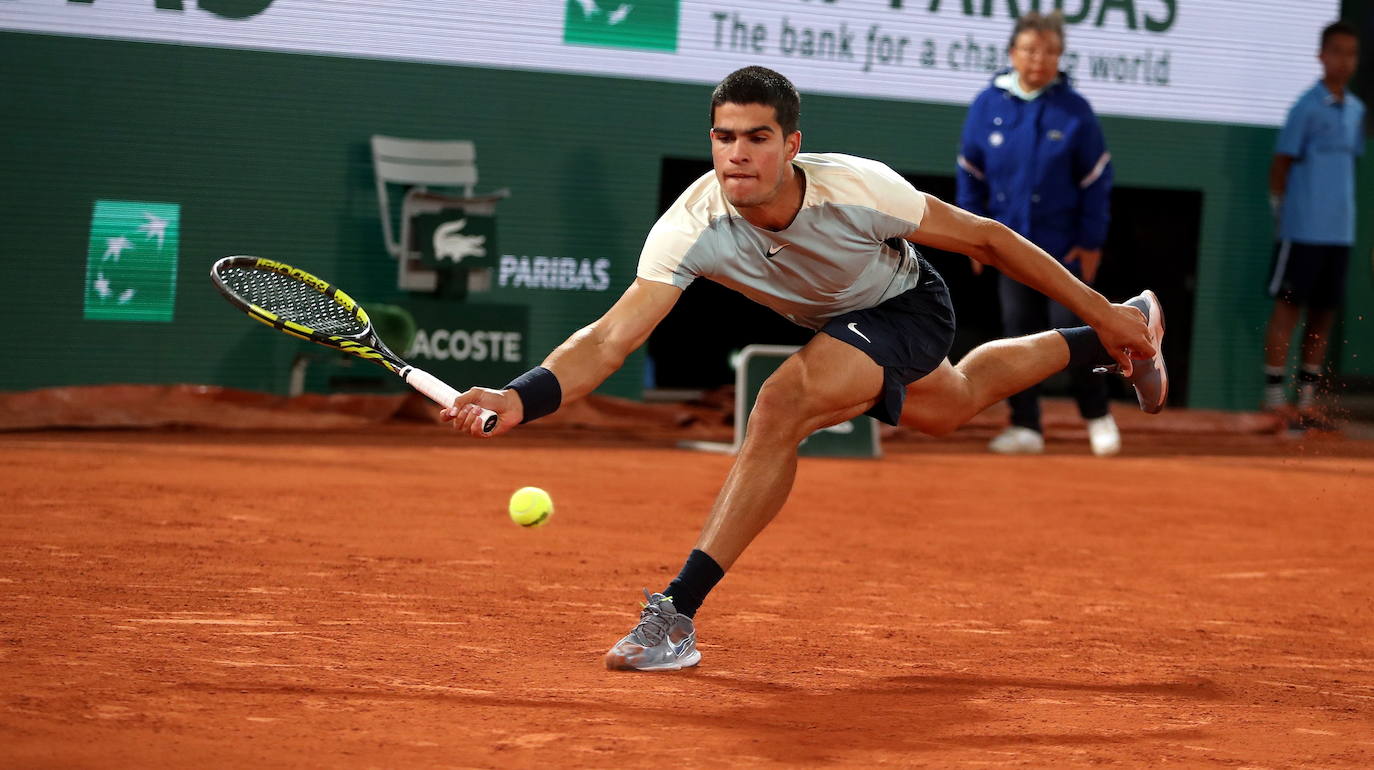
{"points": [[291, 300]]}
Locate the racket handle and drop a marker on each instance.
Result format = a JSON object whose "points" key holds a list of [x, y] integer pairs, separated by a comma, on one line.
{"points": [[440, 393]]}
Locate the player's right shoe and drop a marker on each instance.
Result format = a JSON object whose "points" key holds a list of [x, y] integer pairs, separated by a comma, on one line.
{"points": [[1149, 377], [663, 640]]}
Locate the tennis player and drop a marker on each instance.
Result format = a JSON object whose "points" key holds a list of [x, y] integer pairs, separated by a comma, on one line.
{"points": [[825, 240]]}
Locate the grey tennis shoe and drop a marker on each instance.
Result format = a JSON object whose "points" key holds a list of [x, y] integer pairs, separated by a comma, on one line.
{"points": [[1149, 377], [664, 640]]}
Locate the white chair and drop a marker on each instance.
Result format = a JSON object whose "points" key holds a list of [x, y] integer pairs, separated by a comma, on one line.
{"points": [[418, 164]]}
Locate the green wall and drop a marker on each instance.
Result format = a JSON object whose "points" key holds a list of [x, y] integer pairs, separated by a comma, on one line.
{"points": [[267, 154]]}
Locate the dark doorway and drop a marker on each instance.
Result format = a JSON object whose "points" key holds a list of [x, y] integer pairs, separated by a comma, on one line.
{"points": [[1152, 243]]}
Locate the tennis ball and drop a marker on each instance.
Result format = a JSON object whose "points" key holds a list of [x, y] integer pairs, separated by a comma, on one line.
{"points": [[531, 507]]}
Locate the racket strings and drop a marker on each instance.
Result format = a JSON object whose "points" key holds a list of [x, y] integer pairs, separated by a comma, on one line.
{"points": [[292, 300]]}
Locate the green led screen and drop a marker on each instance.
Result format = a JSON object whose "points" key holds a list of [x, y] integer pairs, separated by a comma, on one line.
{"points": [[649, 25], [131, 261]]}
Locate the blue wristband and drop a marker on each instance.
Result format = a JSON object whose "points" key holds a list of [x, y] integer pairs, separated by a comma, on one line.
{"points": [[539, 392]]}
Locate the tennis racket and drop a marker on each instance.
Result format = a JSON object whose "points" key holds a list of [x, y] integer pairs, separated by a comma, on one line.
{"points": [[293, 301]]}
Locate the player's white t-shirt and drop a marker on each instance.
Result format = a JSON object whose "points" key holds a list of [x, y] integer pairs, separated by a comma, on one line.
{"points": [[844, 251]]}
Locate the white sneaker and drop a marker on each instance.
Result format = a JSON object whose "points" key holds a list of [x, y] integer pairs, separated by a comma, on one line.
{"points": [[1017, 440], [1104, 436]]}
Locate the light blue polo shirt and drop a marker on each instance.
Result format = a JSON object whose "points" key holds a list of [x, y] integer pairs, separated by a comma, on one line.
{"points": [[1324, 137]]}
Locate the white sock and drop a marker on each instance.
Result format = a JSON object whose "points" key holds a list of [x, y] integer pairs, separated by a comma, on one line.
{"points": [[1275, 393], [1308, 377]]}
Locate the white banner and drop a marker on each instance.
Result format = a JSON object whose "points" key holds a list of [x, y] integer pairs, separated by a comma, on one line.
{"points": [[1226, 61]]}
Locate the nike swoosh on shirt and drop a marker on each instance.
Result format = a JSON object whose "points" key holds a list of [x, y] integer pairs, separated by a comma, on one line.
{"points": [[854, 327], [773, 250]]}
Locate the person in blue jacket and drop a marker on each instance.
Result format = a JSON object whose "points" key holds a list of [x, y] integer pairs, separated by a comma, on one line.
{"points": [[1033, 157]]}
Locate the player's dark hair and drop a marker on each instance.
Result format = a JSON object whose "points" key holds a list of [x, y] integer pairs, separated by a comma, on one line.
{"points": [[1338, 28], [1035, 21], [760, 85]]}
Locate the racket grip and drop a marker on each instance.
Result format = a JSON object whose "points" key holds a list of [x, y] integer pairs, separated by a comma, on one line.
{"points": [[442, 394]]}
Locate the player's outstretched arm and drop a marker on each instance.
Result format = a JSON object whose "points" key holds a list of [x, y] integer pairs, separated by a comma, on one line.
{"points": [[574, 368], [1122, 329]]}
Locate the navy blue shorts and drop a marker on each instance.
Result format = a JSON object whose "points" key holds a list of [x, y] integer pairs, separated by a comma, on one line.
{"points": [[909, 336], [1309, 274]]}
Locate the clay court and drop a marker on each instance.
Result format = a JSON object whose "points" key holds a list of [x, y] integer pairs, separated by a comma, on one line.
{"points": [[357, 597]]}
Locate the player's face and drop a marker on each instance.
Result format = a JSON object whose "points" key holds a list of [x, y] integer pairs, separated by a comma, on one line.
{"points": [[750, 153], [1340, 58], [1035, 57]]}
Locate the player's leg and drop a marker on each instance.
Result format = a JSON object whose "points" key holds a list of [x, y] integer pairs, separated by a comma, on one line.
{"points": [[1090, 392], [1024, 311], [825, 383], [860, 363], [952, 395]]}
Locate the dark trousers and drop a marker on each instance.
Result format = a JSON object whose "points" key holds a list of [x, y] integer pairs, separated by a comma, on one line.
{"points": [[1027, 311]]}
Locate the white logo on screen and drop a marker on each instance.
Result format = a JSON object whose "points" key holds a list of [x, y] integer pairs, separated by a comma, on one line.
{"points": [[557, 273], [451, 243]]}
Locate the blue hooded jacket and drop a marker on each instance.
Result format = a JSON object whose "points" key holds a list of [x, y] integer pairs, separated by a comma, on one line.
{"points": [[1040, 167]]}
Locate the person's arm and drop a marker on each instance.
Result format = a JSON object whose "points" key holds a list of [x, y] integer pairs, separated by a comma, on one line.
{"points": [[1122, 329], [581, 363], [1289, 147], [596, 351]]}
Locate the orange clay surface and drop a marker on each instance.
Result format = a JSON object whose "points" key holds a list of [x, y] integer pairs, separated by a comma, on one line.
{"points": [[358, 598]]}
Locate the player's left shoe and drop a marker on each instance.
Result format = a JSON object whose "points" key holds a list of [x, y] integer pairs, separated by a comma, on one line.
{"points": [[663, 640], [1149, 377]]}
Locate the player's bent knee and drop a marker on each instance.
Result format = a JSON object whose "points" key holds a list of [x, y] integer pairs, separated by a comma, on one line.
{"points": [[782, 411], [775, 403]]}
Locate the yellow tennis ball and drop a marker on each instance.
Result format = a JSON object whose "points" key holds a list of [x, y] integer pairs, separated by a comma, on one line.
{"points": [[530, 507]]}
